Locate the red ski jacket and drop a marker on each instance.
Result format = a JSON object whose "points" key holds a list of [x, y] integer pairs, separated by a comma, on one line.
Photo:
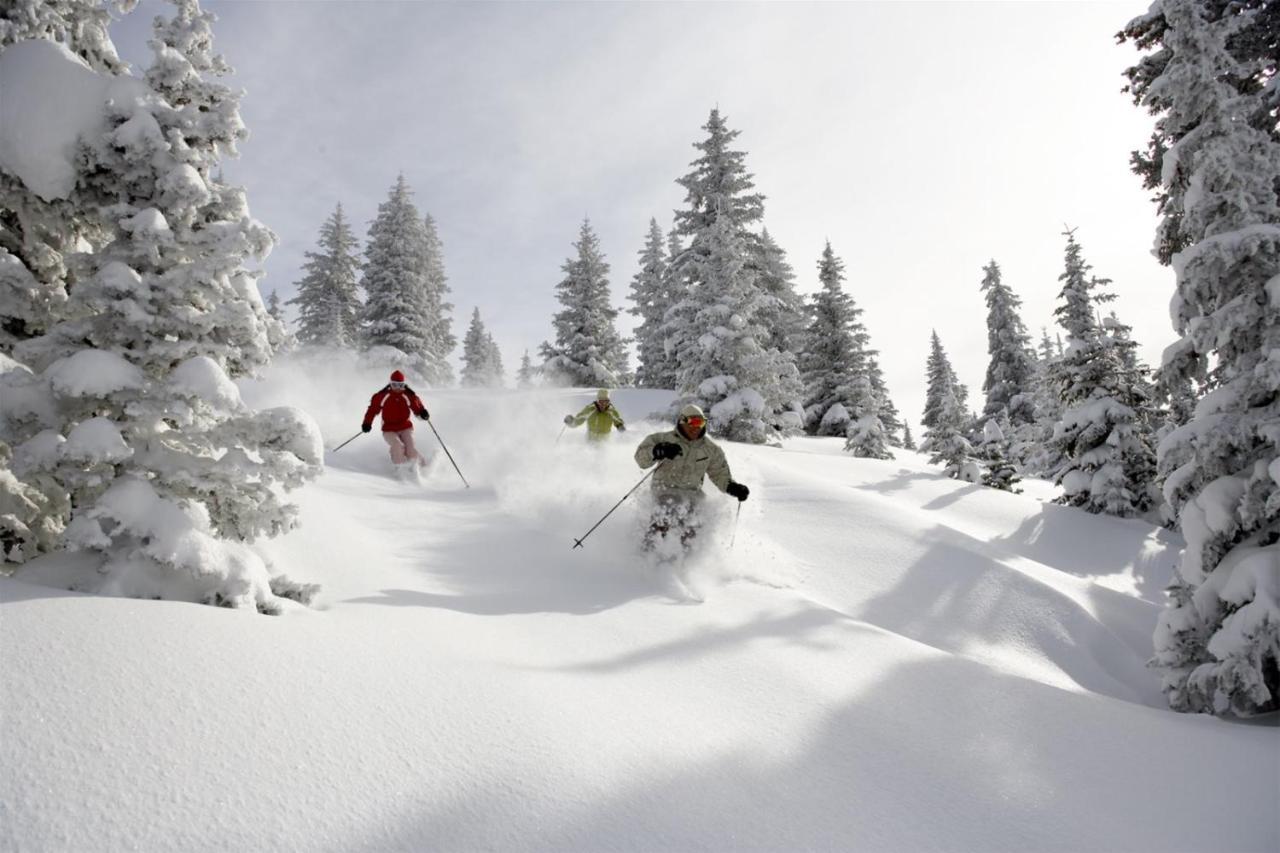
{"points": [[397, 407]]}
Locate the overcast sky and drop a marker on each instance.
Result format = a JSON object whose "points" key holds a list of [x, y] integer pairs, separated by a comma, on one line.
{"points": [[922, 139]]}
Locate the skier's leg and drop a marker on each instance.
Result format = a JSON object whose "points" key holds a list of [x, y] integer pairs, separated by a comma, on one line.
{"points": [[410, 451], [397, 448]]}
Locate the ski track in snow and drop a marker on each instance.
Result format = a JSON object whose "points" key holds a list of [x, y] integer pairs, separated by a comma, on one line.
{"points": [[885, 660]]}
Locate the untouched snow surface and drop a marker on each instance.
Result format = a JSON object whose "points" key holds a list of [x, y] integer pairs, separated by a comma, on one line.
{"points": [[885, 660]]}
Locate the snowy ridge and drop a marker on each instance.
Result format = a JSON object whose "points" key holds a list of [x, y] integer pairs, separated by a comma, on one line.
{"points": [[909, 667]]}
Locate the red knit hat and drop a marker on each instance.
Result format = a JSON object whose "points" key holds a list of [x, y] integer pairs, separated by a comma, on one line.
{"points": [[397, 376]]}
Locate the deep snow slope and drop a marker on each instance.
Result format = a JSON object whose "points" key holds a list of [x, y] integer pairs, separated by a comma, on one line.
{"points": [[884, 660]]}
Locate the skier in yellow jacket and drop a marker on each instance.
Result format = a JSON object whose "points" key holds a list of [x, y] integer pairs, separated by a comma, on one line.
{"points": [[600, 417]]}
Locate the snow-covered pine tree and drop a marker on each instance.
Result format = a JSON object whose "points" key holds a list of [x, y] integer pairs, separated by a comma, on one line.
{"points": [[132, 411], [725, 368], [526, 375], [328, 300], [723, 252], [1108, 465], [1041, 457], [784, 312], [908, 443], [1215, 159], [437, 320], [944, 441], [839, 397], [941, 379], [651, 297], [890, 418], [395, 281], [1000, 472], [497, 372], [42, 225], [832, 357], [674, 321], [479, 369], [588, 351], [273, 307], [1011, 370]]}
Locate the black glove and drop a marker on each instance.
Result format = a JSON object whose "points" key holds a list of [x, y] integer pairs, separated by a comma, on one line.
{"points": [[568, 420], [737, 490], [366, 427], [425, 415], [622, 427], [667, 450]]}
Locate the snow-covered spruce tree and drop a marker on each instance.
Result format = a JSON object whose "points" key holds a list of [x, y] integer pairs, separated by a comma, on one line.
{"points": [[651, 297], [723, 253], [1000, 472], [839, 397], [588, 351], [944, 441], [481, 360], [395, 282], [725, 368], [47, 217], [784, 311], [1041, 457], [526, 375], [1217, 155], [1108, 464], [941, 379], [908, 443], [132, 411], [497, 372], [1011, 370], [274, 311], [328, 299], [889, 416], [437, 311], [674, 321]]}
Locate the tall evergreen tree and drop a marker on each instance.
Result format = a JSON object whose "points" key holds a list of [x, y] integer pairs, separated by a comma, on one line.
{"points": [[1040, 456], [908, 443], [481, 359], [650, 294], [1108, 465], [328, 302], [526, 374], [716, 332], [165, 469], [784, 311], [1011, 371], [1214, 161], [273, 307], [941, 380], [889, 416], [436, 309], [395, 278], [588, 350], [835, 366]]}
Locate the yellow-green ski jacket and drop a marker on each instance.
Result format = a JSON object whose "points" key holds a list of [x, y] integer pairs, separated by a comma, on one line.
{"points": [[599, 424]]}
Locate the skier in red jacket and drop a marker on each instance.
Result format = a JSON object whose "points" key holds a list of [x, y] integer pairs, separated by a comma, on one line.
{"points": [[397, 403]]}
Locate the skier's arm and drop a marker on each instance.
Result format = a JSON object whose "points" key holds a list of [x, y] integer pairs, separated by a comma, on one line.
{"points": [[718, 470], [644, 453], [581, 418], [617, 417], [375, 406], [419, 408]]}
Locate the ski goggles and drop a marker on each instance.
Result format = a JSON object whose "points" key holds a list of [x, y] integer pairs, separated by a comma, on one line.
{"points": [[694, 421], [396, 386]]}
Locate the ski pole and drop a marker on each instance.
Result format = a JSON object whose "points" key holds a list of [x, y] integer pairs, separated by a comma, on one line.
{"points": [[348, 441], [734, 534], [447, 453], [577, 543], [561, 435]]}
